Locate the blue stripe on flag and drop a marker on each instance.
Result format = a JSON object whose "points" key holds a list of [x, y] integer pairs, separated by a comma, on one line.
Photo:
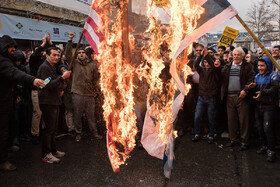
{"points": [[177, 93], [212, 9]]}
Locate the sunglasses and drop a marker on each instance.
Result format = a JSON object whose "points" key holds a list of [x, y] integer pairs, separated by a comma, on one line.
{"points": [[198, 50], [81, 52]]}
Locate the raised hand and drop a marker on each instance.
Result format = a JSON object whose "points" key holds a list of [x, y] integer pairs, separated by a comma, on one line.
{"points": [[71, 35]]}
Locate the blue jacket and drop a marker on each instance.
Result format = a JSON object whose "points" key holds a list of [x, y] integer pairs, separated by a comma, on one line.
{"points": [[268, 86]]}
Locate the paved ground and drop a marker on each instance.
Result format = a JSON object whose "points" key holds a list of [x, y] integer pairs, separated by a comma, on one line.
{"points": [[197, 164]]}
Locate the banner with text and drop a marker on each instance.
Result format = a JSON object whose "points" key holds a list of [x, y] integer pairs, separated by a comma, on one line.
{"points": [[31, 29]]}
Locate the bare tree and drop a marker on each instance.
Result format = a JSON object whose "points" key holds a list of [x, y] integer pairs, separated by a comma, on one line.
{"points": [[261, 17], [277, 3]]}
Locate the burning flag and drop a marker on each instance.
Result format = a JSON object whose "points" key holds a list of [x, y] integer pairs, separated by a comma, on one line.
{"points": [[189, 20], [116, 81], [92, 26], [165, 73]]}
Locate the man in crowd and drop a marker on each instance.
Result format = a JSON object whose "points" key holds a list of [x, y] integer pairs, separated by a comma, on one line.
{"points": [[9, 77], [84, 82], [236, 77], [221, 50], [208, 90], [276, 56], [50, 100], [36, 59], [265, 89]]}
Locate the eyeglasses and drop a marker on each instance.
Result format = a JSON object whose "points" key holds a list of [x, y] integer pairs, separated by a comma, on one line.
{"points": [[198, 50], [81, 52]]}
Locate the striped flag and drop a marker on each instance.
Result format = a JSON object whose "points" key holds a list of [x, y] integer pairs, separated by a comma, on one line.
{"points": [[92, 28], [216, 12]]}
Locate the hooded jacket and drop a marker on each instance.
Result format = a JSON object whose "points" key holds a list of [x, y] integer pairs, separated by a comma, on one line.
{"points": [[9, 75], [268, 86], [208, 78]]}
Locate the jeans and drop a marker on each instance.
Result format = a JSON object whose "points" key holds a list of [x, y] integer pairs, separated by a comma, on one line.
{"points": [[265, 126], [201, 105]]}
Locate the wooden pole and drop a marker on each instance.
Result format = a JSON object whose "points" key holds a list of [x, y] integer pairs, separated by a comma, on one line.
{"points": [[75, 53], [258, 42], [125, 33]]}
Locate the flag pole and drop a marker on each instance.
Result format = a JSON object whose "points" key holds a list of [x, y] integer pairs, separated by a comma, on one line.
{"points": [[125, 33], [75, 53], [258, 41]]}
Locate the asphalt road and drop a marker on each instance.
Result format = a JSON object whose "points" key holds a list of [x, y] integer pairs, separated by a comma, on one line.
{"points": [[197, 164]]}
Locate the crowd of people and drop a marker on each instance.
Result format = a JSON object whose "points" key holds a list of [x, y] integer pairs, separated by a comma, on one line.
{"points": [[237, 91], [41, 97], [45, 92]]}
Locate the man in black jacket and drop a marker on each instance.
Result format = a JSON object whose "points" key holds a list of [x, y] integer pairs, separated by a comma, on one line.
{"points": [[36, 60], [208, 91], [9, 77], [236, 76], [50, 100]]}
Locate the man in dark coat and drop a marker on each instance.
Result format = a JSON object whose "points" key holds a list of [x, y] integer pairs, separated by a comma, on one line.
{"points": [[50, 100], [9, 77], [236, 76]]}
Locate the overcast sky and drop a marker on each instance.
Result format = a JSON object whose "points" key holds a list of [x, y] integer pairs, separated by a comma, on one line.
{"points": [[242, 7]]}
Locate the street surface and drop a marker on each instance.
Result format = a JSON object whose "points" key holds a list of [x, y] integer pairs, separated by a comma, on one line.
{"points": [[197, 164]]}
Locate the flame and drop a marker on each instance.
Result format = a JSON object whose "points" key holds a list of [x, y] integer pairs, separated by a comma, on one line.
{"points": [[116, 84], [117, 72], [184, 15]]}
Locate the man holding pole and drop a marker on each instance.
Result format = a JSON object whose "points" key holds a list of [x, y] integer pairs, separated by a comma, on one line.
{"points": [[84, 82]]}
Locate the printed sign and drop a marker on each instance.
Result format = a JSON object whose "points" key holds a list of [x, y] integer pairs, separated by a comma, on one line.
{"points": [[161, 3], [228, 37], [31, 29]]}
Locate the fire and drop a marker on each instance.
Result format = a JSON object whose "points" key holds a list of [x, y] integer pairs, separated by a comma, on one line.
{"points": [[117, 87], [184, 15], [117, 72]]}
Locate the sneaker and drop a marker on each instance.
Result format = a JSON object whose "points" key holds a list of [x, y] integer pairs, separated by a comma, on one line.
{"points": [[243, 147], [49, 158], [7, 166], [180, 133], [25, 137], [270, 156], [98, 137], [59, 154], [78, 138], [14, 148], [195, 138], [262, 150], [210, 140], [231, 144]]}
